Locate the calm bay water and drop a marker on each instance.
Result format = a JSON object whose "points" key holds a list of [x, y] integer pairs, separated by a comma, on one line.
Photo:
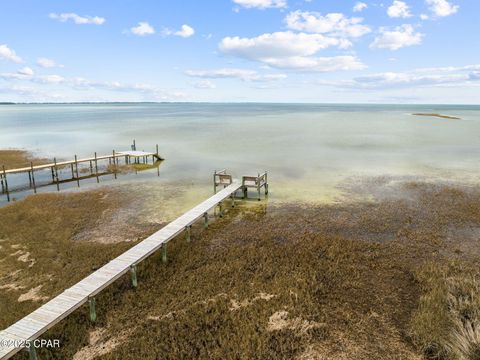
{"points": [[307, 149]]}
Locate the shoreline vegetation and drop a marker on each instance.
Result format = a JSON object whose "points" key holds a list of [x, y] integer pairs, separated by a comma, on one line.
{"points": [[393, 277], [18, 158], [437, 115]]}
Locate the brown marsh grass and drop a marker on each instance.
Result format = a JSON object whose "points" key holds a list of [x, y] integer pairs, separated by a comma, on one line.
{"points": [[18, 158], [391, 278]]}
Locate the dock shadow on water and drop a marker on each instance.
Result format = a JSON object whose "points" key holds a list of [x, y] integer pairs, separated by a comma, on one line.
{"points": [[391, 274]]}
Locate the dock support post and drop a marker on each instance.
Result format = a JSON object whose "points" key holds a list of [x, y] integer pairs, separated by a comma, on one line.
{"points": [[29, 179], [93, 312], [96, 167], [258, 186], [1, 182], [133, 272], [91, 168], [76, 171], [164, 253], [56, 174], [73, 174], [233, 200], [156, 150], [33, 178], [53, 174], [266, 183], [205, 220], [220, 212], [114, 165], [188, 233], [214, 182], [245, 192], [32, 352], [6, 183]]}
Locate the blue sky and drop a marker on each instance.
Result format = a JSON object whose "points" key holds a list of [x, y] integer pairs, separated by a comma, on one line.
{"points": [[322, 51]]}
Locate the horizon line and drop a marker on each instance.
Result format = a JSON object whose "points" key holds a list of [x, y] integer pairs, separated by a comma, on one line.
{"points": [[225, 102]]}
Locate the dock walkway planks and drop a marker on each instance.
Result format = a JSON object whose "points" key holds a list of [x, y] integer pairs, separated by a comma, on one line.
{"points": [[32, 326]]}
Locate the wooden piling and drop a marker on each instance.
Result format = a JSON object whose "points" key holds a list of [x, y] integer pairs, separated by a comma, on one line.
{"points": [[266, 184], [76, 171], [33, 178], [6, 183], [96, 167], [188, 232], [133, 273], [205, 220], [56, 174], [114, 166], [32, 352], [93, 311], [164, 253]]}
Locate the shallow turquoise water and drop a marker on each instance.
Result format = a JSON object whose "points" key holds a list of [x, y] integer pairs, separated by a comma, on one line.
{"points": [[307, 149]]}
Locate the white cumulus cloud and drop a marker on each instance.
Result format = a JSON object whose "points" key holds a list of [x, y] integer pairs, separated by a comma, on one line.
{"points": [[142, 29], [77, 19], [261, 4], [399, 9], [185, 31], [442, 8], [397, 38], [289, 50], [278, 44], [360, 6], [336, 24], [9, 54]]}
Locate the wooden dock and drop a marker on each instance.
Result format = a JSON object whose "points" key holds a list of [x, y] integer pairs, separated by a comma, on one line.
{"points": [[129, 156], [26, 330]]}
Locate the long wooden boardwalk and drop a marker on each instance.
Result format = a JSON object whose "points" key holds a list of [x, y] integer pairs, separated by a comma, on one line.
{"points": [[55, 166], [26, 330], [114, 155]]}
